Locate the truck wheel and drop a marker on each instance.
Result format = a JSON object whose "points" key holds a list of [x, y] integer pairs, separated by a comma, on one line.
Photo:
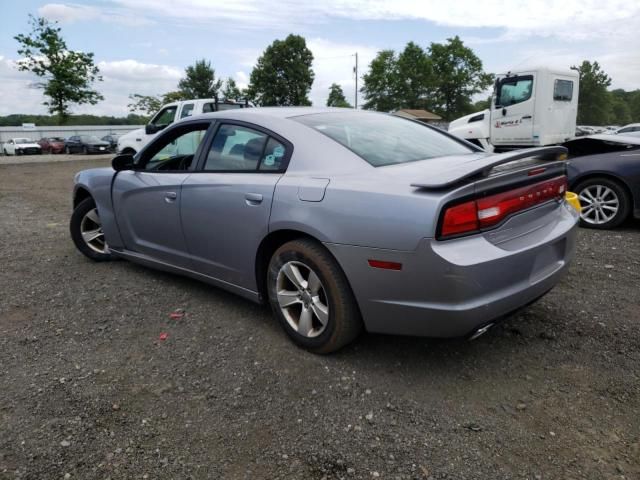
{"points": [[605, 203], [86, 231], [311, 297]]}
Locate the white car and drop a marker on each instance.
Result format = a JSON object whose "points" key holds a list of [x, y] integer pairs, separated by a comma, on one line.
{"points": [[633, 129], [21, 146]]}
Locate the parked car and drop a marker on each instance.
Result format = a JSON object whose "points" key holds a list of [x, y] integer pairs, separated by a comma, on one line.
{"points": [[632, 129], [112, 139], [51, 144], [604, 171], [21, 146], [340, 219], [133, 141], [85, 144]]}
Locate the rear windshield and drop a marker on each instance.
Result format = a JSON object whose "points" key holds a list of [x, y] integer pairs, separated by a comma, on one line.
{"points": [[382, 139]]}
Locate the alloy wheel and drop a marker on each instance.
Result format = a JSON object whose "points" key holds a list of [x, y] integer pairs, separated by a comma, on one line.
{"points": [[600, 204], [302, 299], [92, 234]]}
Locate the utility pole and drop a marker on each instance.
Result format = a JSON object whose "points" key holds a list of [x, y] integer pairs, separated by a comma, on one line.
{"points": [[356, 72]]}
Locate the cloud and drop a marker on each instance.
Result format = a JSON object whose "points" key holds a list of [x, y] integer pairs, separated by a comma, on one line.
{"points": [[71, 13], [121, 78]]}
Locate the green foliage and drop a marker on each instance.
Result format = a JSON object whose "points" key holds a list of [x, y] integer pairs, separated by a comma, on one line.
{"points": [[336, 97], [200, 81], [380, 82], [593, 102], [443, 79], [17, 120], [283, 74], [67, 75], [147, 104], [231, 90], [458, 76], [415, 80]]}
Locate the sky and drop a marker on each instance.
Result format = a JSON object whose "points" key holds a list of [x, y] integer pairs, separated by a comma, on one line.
{"points": [[143, 46]]}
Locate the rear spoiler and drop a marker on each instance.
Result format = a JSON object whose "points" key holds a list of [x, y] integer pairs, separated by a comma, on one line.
{"points": [[483, 166]]}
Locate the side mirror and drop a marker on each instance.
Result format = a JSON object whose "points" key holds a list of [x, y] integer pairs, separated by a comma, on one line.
{"points": [[152, 128], [122, 162]]}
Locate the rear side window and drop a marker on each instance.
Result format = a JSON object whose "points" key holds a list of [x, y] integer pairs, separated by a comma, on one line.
{"points": [[382, 139], [563, 90], [187, 110], [514, 90]]}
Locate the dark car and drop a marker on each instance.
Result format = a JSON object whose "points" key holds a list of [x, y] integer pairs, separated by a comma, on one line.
{"points": [[85, 144], [604, 171], [52, 144], [112, 139]]}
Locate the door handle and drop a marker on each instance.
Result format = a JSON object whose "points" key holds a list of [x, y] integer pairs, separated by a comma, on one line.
{"points": [[170, 197], [253, 198], [526, 117]]}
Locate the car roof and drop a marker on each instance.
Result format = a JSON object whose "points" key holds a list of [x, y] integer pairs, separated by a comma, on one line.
{"points": [[274, 112]]}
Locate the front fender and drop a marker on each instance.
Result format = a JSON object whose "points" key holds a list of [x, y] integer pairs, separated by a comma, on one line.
{"points": [[97, 183]]}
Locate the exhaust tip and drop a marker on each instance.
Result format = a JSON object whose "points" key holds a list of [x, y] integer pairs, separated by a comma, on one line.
{"points": [[481, 331]]}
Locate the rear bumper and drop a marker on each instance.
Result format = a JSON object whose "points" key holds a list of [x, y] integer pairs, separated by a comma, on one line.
{"points": [[449, 289]]}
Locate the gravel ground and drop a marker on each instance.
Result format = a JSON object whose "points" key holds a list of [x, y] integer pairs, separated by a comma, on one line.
{"points": [[88, 390]]}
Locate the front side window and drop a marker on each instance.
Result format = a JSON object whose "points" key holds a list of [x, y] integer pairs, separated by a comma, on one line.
{"points": [[514, 90], [187, 110], [563, 90], [166, 116], [382, 139], [176, 152], [236, 148]]}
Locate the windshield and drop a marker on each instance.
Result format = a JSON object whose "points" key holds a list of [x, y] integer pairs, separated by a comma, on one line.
{"points": [[89, 138], [383, 139], [22, 140]]}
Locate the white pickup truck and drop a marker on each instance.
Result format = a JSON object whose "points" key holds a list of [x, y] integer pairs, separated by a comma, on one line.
{"points": [[133, 141], [529, 108]]}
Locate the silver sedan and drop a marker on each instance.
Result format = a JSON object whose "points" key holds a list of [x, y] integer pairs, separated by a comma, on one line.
{"points": [[342, 220]]}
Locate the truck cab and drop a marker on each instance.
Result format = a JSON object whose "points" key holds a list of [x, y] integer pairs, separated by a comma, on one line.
{"points": [[133, 141], [529, 108]]}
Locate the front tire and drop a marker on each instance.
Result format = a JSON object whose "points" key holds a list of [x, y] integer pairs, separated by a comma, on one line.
{"points": [[86, 232], [605, 203], [67, 151], [311, 297]]}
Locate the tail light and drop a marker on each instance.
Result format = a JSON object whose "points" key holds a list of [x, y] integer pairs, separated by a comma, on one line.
{"points": [[487, 212]]}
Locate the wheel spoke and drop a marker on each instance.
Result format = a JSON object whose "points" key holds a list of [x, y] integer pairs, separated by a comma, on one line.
{"points": [[320, 310], [313, 283], [286, 298], [588, 193], [293, 274], [610, 207], [305, 324], [584, 198], [91, 235], [93, 216]]}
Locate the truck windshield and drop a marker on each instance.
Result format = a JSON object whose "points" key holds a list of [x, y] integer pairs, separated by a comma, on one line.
{"points": [[514, 90], [382, 139]]}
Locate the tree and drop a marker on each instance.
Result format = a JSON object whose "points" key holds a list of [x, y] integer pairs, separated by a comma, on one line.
{"points": [[200, 81], [414, 78], [336, 97], [593, 100], [67, 75], [620, 112], [147, 104], [231, 90], [283, 74], [458, 75], [380, 82]]}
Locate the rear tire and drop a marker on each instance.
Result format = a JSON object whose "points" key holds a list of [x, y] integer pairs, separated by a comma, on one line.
{"points": [[605, 203], [317, 310], [86, 232]]}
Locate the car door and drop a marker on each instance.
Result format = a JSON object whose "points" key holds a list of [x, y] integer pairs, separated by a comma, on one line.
{"points": [[147, 200], [226, 203], [512, 111], [72, 143]]}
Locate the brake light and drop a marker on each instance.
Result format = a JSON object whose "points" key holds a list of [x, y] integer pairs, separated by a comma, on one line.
{"points": [[487, 212]]}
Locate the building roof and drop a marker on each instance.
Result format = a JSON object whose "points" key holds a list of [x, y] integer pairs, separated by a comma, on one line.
{"points": [[417, 114]]}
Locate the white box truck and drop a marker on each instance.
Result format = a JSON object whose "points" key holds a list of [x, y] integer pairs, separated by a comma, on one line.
{"points": [[529, 108]]}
